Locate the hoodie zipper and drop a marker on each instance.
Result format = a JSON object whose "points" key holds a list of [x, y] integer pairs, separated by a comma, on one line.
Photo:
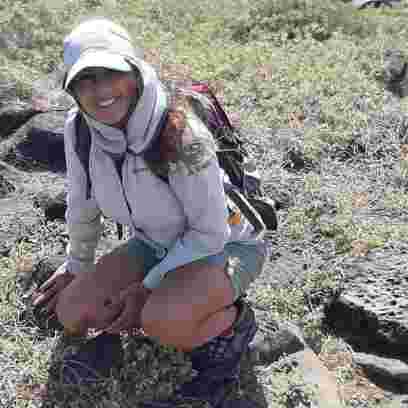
{"points": [[160, 250]]}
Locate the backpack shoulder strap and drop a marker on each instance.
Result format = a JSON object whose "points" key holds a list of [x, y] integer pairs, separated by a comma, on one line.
{"points": [[153, 155], [82, 147]]}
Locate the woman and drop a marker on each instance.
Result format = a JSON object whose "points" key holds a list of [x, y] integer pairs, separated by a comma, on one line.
{"points": [[182, 275]]}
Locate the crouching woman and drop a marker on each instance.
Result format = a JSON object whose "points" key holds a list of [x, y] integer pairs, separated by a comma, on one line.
{"points": [[182, 274]]}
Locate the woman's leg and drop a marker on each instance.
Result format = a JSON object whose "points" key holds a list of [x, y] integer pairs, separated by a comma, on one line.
{"points": [[83, 303], [191, 310], [192, 305]]}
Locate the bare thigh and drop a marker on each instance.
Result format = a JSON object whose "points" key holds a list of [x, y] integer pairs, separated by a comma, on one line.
{"points": [[84, 301], [186, 297]]}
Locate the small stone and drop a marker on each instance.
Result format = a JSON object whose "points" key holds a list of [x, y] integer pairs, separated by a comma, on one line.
{"points": [[312, 111], [13, 116], [5, 187], [404, 152], [296, 120], [394, 64], [359, 247], [360, 103], [54, 207], [316, 374], [392, 369], [268, 347], [360, 199]]}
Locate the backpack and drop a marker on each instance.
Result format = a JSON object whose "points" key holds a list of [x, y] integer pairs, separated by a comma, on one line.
{"points": [[245, 190]]}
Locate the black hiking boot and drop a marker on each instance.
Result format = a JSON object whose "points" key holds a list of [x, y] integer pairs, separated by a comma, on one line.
{"points": [[217, 363], [94, 360]]}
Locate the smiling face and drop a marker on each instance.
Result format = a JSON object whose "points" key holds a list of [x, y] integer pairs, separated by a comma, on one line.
{"points": [[106, 95]]}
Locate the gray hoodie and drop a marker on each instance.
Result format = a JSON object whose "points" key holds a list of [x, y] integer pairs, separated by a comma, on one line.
{"points": [[186, 218]]}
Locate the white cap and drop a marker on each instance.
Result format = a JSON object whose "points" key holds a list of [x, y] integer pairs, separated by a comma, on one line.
{"points": [[98, 43]]}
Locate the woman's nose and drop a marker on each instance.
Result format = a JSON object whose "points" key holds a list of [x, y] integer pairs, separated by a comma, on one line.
{"points": [[103, 87]]}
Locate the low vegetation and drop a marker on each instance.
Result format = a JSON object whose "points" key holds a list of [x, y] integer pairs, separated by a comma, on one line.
{"points": [[265, 57]]}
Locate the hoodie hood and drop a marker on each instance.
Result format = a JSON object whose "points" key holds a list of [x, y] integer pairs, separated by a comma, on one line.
{"points": [[98, 42]]}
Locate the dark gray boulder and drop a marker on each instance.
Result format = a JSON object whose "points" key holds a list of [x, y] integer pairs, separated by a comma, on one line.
{"points": [[6, 187], [395, 72], [372, 310], [45, 147], [13, 116], [390, 370], [281, 338], [374, 3], [7, 91]]}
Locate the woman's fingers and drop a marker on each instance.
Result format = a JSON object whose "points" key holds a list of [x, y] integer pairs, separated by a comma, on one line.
{"points": [[50, 288], [111, 314], [43, 297], [48, 284], [51, 304], [113, 302], [121, 322], [133, 300], [117, 325], [58, 278]]}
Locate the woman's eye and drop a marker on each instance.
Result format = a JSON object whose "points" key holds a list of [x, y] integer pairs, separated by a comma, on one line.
{"points": [[87, 81], [87, 78], [111, 74]]}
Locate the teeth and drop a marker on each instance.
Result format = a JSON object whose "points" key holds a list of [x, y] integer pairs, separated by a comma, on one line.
{"points": [[107, 102]]}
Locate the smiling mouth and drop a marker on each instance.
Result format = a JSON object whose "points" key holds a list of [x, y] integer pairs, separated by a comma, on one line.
{"points": [[107, 103]]}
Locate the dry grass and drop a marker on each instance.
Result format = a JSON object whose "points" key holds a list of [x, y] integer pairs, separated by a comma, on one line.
{"points": [[264, 78], [352, 381]]}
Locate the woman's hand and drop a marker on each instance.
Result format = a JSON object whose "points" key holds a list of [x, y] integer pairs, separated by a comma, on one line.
{"points": [[47, 294], [132, 301]]}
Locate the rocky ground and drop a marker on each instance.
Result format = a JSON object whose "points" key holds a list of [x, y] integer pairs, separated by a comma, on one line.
{"points": [[357, 295]]}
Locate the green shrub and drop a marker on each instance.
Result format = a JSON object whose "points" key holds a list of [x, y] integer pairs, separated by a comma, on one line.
{"points": [[289, 388], [284, 303], [42, 25], [290, 19], [187, 16]]}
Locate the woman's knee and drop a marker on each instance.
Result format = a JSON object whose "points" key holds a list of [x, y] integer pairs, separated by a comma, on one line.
{"points": [[186, 298], [71, 313], [79, 310], [170, 324]]}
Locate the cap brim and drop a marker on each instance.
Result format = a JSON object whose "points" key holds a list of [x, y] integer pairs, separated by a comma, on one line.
{"points": [[97, 59]]}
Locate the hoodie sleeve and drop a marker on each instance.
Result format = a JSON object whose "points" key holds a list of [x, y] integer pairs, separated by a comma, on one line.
{"points": [[196, 179], [83, 215]]}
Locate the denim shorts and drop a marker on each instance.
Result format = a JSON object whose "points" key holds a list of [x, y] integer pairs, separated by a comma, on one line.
{"points": [[243, 260]]}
